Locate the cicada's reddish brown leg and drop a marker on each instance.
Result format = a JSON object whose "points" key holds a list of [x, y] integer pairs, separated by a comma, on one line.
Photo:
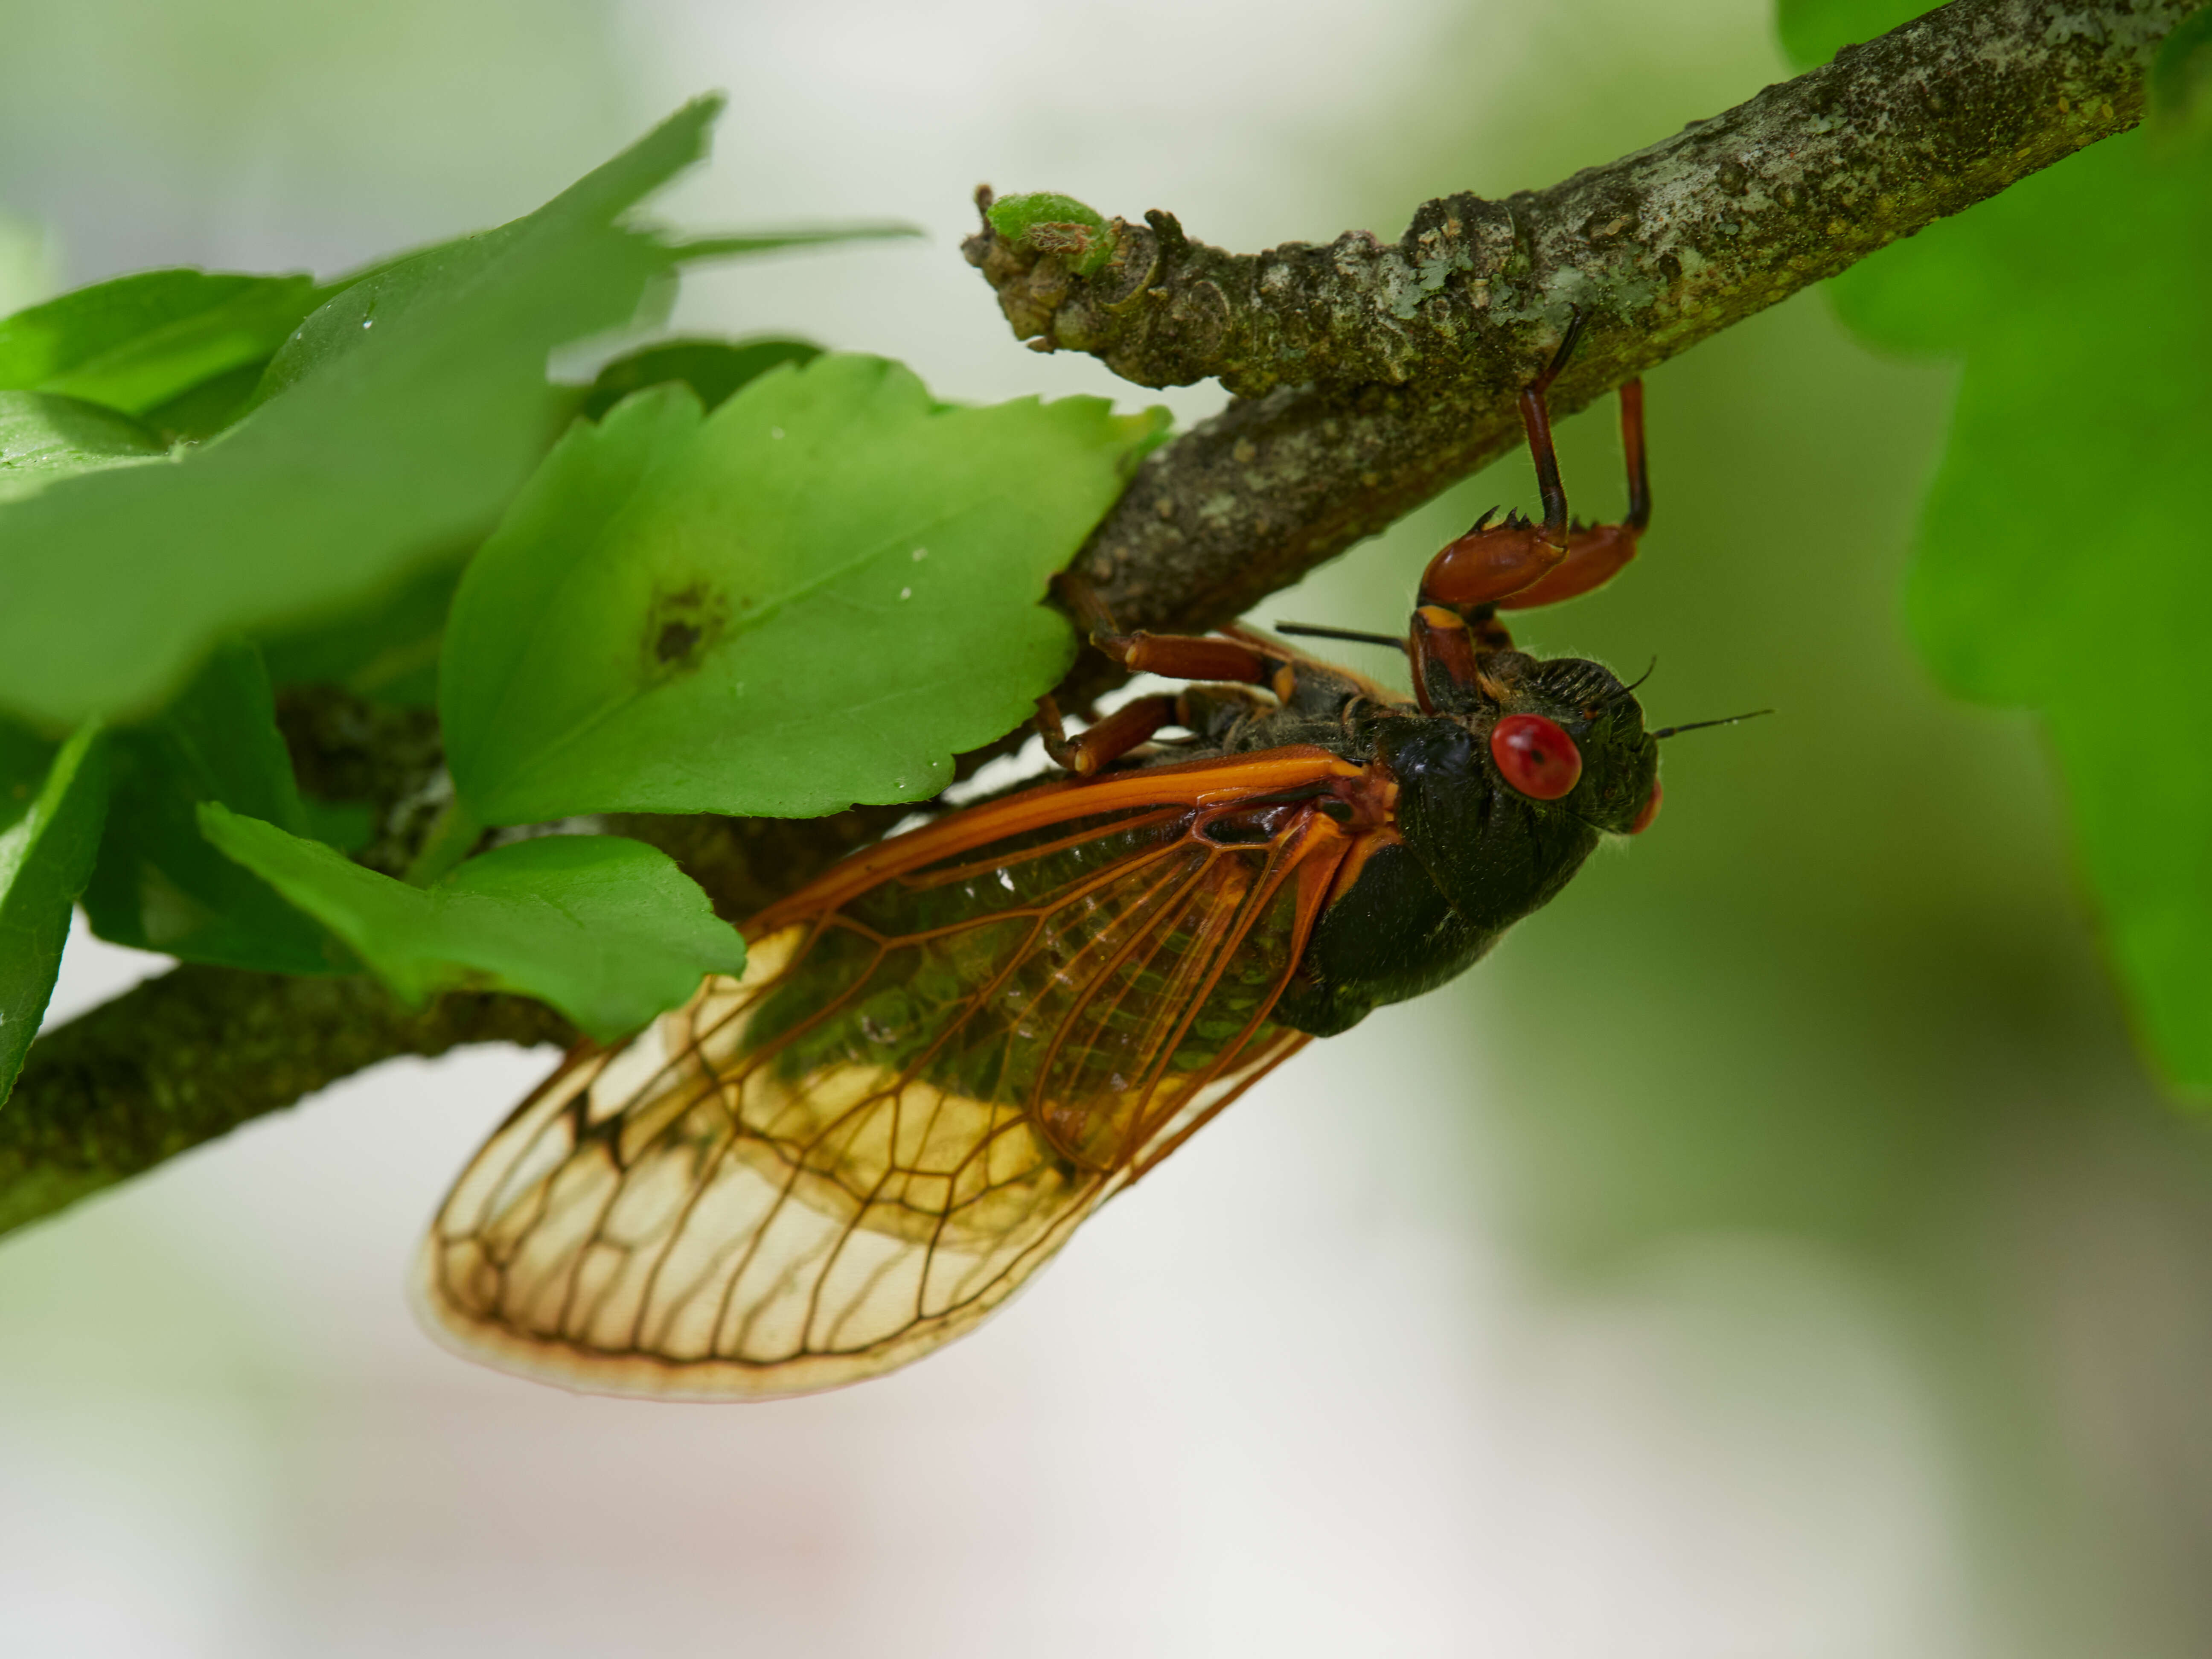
{"points": [[1516, 563], [1100, 745], [1455, 620], [1596, 553], [1494, 560], [1189, 656], [1171, 656]]}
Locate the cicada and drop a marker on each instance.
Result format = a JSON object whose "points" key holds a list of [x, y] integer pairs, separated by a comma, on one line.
{"points": [[951, 1049]]}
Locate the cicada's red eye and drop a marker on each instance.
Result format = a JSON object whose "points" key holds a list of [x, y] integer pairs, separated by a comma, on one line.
{"points": [[1536, 756], [1650, 812]]}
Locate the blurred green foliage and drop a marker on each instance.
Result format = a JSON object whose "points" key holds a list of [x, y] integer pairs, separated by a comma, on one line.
{"points": [[2181, 84], [1841, 1008], [362, 450], [44, 438], [47, 844], [2060, 564], [158, 885], [713, 369], [159, 344], [385, 649]]}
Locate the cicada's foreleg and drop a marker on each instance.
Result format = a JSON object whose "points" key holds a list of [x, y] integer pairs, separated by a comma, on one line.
{"points": [[1233, 655], [1470, 576], [1229, 665], [1173, 656], [1236, 656], [1229, 661], [1515, 564], [1597, 552]]}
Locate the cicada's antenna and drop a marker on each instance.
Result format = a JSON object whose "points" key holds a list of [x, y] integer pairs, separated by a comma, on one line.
{"points": [[1316, 631], [1699, 726], [1629, 687]]}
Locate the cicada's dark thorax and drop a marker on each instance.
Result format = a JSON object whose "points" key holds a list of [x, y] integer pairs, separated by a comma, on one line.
{"points": [[1467, 855]]}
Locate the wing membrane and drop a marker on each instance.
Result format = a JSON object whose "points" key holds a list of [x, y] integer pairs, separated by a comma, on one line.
{"points": [[935, 1067]]}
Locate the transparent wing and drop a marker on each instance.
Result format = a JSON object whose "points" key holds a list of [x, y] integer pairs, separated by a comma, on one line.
{"points": [[923, 1082]]}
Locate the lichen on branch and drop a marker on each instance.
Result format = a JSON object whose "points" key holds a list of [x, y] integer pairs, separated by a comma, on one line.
{"points": [[182, 1058], [1668, 245], [1372, 375], [1163, 310]]}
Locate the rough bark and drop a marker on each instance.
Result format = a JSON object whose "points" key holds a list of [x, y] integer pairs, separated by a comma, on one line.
{"points": [[1371, 376], [192, 1055]]}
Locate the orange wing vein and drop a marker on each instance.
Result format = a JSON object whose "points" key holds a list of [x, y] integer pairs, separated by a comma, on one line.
{"points": [[941, 1057]]}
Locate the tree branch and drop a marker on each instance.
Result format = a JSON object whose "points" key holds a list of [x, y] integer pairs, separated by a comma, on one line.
{"points": [[194, 1054], [1370, 377]]}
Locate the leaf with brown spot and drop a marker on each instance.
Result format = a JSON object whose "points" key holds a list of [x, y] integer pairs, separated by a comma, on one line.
{"points": [[817, 595]]}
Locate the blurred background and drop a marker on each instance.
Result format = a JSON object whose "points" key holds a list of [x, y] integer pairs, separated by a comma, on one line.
{"points": [[1776, 1249]]}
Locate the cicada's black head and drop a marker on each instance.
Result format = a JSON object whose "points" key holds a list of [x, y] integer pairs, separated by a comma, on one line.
{"points": [[1503, 794], [1600, 719]]}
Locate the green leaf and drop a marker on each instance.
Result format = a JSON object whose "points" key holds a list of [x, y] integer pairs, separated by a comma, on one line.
{"points": [[139, 343], [44, 438], [197, 413], [374, 449], [349, 826], [385, 649], [1055, 224], [714, 370], [394, 297], [2180, 85], [24, 757], [817, 595], [45, 854], [158, 885], [744, 244], [606, 929], [1813, 31], [2062, 562]]}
